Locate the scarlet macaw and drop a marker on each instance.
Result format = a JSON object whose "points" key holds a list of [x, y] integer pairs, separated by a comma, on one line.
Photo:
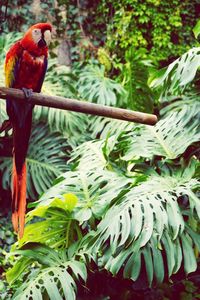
{"points": [[25, 68]]}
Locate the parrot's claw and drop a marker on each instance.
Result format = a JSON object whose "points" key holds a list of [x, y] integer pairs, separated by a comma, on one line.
{"points": [[28, 93]]}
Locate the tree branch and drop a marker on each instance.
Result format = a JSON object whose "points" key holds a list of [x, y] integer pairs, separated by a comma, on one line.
{"points": [[79, 106]]}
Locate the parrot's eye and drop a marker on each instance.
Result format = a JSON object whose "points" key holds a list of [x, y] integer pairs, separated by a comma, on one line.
{"points": [[36, 31]]}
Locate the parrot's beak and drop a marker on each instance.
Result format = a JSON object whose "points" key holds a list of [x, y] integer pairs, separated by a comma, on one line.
{"points": [[42, 43], [45, 39], [47, 36]]}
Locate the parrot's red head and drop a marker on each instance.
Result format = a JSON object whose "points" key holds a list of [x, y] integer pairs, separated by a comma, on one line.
{"points": [[37, 38]]}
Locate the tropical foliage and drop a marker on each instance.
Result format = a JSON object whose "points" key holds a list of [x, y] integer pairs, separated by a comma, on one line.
{"points": [[127, 201], [110, 196], [154, 28]]}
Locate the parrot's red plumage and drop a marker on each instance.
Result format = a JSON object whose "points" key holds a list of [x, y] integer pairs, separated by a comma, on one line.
{"points": [[25, 68]]}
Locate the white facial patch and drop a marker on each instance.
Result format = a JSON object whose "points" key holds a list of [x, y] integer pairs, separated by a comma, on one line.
{"points": [[47, 36], [36, 34]]}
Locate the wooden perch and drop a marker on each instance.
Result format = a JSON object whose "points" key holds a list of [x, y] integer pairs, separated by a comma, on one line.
{"points": [[80, 106]]}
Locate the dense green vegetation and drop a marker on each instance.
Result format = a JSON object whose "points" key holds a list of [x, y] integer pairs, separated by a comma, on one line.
{"points": [[109, 201]]}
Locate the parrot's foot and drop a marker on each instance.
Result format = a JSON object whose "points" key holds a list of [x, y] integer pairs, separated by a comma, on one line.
{"points": [[28, 93], [5, 126]]}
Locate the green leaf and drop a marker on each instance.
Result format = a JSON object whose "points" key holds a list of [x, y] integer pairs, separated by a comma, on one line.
{"points": [[95, 87], [114, 264], [169, 138], [46, 281], [56, 227], [196, 29], [70, 201], [65, 122], [178, 74], [90, 156], [133, 266], [169, 248], [39, 252], [20, 266], [57, 280], [190, 263], [142, 210], [134, 76], [148, 263], [95, 191], [194, 235], [65, 86], [157, 261], [178, 255]]}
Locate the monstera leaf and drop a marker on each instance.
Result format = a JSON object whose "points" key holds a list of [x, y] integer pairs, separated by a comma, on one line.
{"points": [[152, 205], [169, 138], [71, 125], [95, 191], [161, 257], [90, 156], [95, 87], [104, 127], [146, 221], [54, 224], [188, 102], [174, 79], [65, 86], [93, 182], [55, 278]]}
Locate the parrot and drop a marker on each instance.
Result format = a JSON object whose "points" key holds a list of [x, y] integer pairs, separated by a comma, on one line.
{"points": [[25, 68]]}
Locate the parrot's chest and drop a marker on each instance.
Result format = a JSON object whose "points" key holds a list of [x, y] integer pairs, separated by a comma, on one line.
{"points": [[30, 71]]}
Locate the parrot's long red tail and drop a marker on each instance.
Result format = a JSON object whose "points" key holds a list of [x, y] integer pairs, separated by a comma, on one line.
{"points": [[19, 199], [21, 135]]}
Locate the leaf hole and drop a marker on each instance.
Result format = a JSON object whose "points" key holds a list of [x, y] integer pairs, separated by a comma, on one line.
{"points": [[51, 273], [40, 281]]}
